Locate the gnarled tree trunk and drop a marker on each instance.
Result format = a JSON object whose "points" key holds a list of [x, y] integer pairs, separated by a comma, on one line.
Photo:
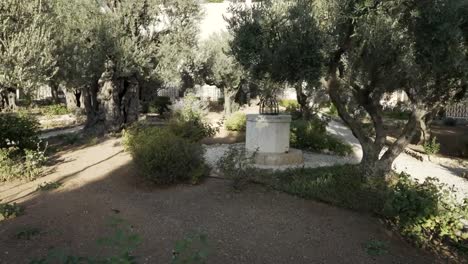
{"points": [[7, 99], [117, 102]]}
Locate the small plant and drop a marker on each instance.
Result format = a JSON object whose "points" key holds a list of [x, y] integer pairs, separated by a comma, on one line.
{"points": [[237, 164], [376, 248], [8, 211], [333, 111], [28, 233], [165, 158], [17, 165], [193, 249], [48, 186], [432, 147], [236, 122]]}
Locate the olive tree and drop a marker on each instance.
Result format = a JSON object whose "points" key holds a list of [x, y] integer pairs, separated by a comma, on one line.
{"points": [[110, 50], [380, 47], [372, 48], [215, 65], [26, 60], [279, 40]]}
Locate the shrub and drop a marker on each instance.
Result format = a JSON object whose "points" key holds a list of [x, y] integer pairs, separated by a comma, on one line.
{"points": [[237, 164], [160, 105], [338, 185], [194, 129], [8, 211], [17, 166], [312, 135], [191, 107], [432, 147], [165, 158], [18, 131], [236, 122], [189, 119], [54, 110], [289, 103], [428, 213], [292, 107]]}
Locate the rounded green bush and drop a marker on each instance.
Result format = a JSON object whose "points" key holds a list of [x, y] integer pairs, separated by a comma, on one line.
{"points": [[18, 131], [164, 158], [312, 135], [236, 122]]}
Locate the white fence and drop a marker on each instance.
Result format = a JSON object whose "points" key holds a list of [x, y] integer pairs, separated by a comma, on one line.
{"points": [[205, 92], [459, 111]]}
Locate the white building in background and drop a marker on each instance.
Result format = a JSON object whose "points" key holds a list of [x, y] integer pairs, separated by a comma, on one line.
{"points": [[214, 17]]}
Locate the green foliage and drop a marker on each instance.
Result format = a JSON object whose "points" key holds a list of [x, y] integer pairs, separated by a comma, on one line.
{"points": [[189, 119], [215, 64], [427, 212], [165, 158], [237, 165], [312, 135], [339, 185], [397, 114], [432, 147], [48, 186], [289, 103], [17, 165], [28, 233], [122, 242], [376, 248], [26, 45], [274, 34], [194, 129], [54, 110], [236, 122], [292, 107], [193, 249], [333, 111], [19, 131], [160, 105], [8, 211]]}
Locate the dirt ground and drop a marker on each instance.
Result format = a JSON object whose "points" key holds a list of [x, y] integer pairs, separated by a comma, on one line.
{"points": [[256, 225], [453, 140]]}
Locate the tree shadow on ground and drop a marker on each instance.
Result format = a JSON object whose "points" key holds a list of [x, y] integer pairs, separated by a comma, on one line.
{"points": [[256, 225]]}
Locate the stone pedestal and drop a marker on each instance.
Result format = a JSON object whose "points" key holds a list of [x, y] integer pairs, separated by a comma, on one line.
{"points": [[268, 136]]}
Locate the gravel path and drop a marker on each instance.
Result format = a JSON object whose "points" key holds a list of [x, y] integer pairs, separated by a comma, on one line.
{"points": [[404, 163]]}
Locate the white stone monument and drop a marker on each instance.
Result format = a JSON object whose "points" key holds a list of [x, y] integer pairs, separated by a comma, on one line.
{"points": [[268, 136]]}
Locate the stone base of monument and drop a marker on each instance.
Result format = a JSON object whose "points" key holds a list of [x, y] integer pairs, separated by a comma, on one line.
{"points": [[268, 137], [293, 157]]}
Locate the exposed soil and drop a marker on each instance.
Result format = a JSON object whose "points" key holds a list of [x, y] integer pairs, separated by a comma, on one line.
{"points": [[256, 225]]}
